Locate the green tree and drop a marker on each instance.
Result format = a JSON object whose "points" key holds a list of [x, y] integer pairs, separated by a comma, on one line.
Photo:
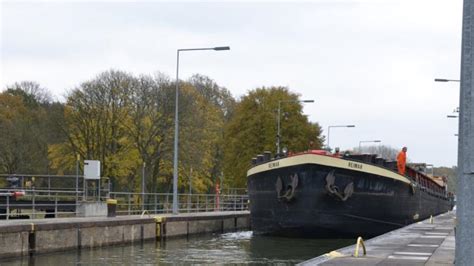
{"points": [[253, 130], [220, 110], [23, 127], [450, 173], [93, 126], [149, 124], [125, 121], [384, 151]]}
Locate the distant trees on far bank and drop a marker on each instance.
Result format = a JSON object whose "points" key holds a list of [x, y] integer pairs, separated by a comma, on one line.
{"points": [[127, 122], [29, 122], [384, 151]]}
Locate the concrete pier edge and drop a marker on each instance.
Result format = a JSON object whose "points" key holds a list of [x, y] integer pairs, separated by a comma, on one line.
{"points": [[347, 252], [29, 237]]}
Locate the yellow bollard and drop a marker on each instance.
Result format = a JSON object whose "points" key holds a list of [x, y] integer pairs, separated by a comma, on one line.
{"points": [[111, 207], [431, 219], [159, 226], [360, 242]]}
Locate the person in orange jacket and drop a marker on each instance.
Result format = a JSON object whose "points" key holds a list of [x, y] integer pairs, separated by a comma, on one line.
{"points": [[402, 160]]}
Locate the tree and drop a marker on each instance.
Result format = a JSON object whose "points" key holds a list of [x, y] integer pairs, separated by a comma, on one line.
{"points": [[386, 152], [253, 129], [23, 119], [126, 121], [12, 114], [93, 126], [450, 173], [149, 123], [221, 109], [31, 92]]}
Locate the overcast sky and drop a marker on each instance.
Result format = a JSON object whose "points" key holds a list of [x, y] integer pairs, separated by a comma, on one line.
{"points": [[368, 63]]}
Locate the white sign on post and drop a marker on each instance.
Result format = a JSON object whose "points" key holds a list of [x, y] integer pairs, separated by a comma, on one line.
{"points": [[91, 170]]}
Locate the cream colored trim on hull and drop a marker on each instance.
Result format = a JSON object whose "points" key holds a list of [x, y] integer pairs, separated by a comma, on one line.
{"points": [[326, 161]]}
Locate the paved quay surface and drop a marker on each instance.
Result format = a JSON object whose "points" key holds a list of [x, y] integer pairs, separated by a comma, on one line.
{"points": [[421, 243], [6, 223], [121, 218]]}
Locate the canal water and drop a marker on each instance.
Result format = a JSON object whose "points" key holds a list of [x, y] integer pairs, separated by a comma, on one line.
{"points": [[229, 248]]}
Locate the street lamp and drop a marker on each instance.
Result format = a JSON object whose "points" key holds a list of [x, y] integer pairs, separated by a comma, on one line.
{"points": [[176, 127], [447, 80], [329, 128], [366, 141], [279, 122], [453, 116]]}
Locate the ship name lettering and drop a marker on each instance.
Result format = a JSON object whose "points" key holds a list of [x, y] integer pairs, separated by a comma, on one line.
{"points": [[274, 164], [355, 165]]}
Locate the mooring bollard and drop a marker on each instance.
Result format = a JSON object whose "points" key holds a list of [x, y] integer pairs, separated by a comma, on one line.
{"points": [[360, 242], [111, 207], [160, 223]]}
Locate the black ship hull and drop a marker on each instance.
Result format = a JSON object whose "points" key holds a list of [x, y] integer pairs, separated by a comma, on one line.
{"points": [[321, 196]]}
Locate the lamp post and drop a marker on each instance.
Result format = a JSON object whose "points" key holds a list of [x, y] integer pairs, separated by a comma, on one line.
{"points": [[447, 80], [367, 141], [465, 182], [143, 186], [176, 127], [453, 116], [279, 122], [78, 158], [329, 128]]}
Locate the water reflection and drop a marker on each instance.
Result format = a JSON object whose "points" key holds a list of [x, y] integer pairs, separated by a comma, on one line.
{"points": [[230, 248]]}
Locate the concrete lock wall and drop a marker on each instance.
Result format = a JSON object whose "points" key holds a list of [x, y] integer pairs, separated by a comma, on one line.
{"points": [[30, 237], [200, 227], [176, 229], [13, 244], [228, 225], [243, 223], [50, 236], [109, 235], [54, 240], [179, 226]]}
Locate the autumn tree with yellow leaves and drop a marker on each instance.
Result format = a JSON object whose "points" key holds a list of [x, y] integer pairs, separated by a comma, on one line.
{"points": [[127, 122]]}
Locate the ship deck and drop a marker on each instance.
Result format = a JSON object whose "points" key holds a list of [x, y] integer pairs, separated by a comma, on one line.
{"points": [[423, 243]]}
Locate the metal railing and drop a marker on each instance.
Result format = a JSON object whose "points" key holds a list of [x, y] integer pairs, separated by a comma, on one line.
{"points": [[156, 203], [34, 203], [24, 204], [25, 196]]}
